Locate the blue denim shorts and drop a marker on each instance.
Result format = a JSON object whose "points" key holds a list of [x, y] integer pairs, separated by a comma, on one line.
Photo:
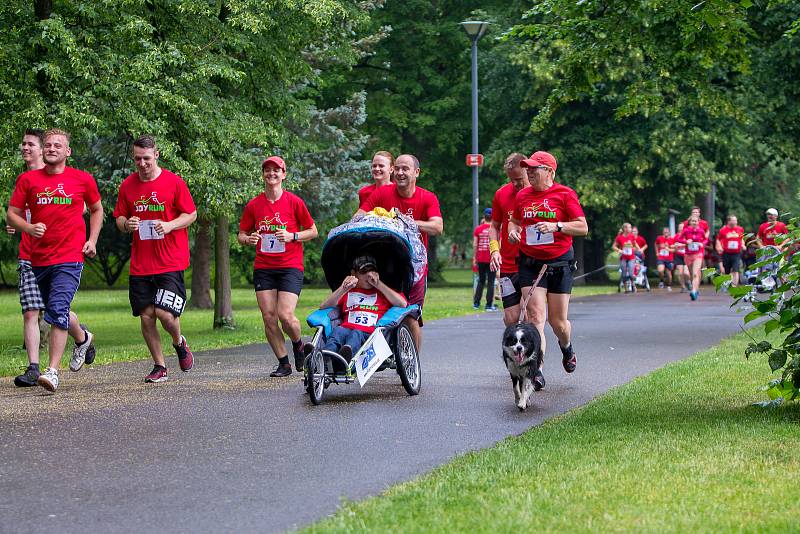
{"points": [[58, 285]]}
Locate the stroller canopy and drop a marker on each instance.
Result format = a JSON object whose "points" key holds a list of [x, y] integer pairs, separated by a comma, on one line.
{"points": [[391, 238]]}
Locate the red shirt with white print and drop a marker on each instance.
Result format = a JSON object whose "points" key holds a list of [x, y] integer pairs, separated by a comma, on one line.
{"points": [[421, 206], [557, 203], [162, 199], [363, 308], [502, 210], [264, 216], [767, 231], [627, 244], [697, 237], [731, 239], [663, 252], [482, 250], [56, 200]]}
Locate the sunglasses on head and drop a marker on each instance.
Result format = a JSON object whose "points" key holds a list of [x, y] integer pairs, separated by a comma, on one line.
{"points": [[365, 270]]}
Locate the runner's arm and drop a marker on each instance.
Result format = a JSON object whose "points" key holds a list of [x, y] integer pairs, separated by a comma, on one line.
{"points": [[245, 238], [474, 250], [433, 226], [95, 221], [496, 260], [514, 231], [182, 221], [16, 219]]}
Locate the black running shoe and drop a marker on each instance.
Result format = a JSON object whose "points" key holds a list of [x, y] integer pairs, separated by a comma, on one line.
{"points": [[28, 378], [568, 360], [281, 370], [538, 380], [346, 352]]}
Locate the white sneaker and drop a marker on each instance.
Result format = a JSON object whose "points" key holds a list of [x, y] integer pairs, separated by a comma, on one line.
{"points": [[79, 352], [669, 288], [49, 379]]}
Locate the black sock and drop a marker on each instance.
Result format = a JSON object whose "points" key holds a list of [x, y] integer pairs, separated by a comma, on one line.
{"points": [[284, 360], [35, 366], [297, 345], [85, 338]]}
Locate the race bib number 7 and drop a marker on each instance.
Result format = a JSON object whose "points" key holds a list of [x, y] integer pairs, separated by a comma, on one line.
{"points": [[271, 245], [534, 237]]}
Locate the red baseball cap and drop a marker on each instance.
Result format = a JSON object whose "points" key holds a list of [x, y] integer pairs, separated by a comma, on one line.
{"points": [[277, 160], [539, 159]]}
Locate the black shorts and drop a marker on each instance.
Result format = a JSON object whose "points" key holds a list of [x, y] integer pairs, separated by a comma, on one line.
{"points": [[289, 280], [556, 279], [165, 290], [679, 260], [731, 261], [511, 299], [669, 265]]}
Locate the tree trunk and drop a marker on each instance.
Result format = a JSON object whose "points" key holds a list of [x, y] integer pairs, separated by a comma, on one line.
{"points": [[577, 244], [650, 231], [223, 308], [201, 267], [594, 258]]}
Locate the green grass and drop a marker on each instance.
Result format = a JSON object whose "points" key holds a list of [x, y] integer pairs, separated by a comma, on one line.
{"points": [[108, 315], [680, 450]]}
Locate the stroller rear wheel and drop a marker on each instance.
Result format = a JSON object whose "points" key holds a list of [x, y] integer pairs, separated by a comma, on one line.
{"points": [[315, 379], [407, 361]]}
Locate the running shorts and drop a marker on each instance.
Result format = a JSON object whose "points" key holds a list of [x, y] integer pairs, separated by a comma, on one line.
{"points": [[164, 290]]}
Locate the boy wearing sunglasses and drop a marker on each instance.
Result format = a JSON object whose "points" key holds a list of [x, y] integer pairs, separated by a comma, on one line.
{"points": [[363, 299]]}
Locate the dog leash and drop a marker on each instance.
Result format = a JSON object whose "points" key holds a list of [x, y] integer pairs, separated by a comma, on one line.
{"points": [[524, 306]]}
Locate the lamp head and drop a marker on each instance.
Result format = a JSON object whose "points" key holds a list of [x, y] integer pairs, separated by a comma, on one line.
{"points": [[475, 29]]}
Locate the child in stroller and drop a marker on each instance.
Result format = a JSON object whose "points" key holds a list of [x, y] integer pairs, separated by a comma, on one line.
{"points": [[639, 278], [363, 299]]}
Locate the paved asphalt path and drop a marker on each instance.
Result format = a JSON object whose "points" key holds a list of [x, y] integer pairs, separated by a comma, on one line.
{"points": [[225, 448]]}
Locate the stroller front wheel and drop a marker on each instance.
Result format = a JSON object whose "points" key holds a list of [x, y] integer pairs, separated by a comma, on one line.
{"points": [[315, 378], [407, 360]]}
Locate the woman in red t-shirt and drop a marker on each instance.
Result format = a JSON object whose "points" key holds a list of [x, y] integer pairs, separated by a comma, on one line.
{"points": [[382, 169], [546, 216], [626, 245], [276, 222], [695, 239]]}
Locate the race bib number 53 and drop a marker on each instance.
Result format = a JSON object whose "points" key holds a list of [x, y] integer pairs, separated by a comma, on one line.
{"points": [[534, 237]]}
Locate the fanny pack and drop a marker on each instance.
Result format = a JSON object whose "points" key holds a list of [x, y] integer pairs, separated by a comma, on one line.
{"points": [[552, 266]]}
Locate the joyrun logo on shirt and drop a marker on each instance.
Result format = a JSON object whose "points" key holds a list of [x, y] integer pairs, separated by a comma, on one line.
{"points": [[148, 204], [268, 224], [49, 197], [542, 210]]}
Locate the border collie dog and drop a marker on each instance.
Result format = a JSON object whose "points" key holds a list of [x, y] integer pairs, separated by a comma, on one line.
{"points": [[522, 354]]}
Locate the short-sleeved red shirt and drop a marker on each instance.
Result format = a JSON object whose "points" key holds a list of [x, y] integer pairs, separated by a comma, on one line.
{"points": [[482, 251], [290, 213], [502, 210], [641, 241], [626, 244], [731, 239], [663, 251], [365, 192], [56, 200], [557, 203], [698, 238], [362, 308], [767, 231], [421, 206], [162, 199]]}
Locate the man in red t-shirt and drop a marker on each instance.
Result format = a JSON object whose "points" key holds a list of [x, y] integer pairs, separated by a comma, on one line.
{"points": [[277, 222], [503, 252], [730, 245], [155, 206], [641, 243], [30, 298], [56, 196], [771, 229], [480, 260], [417, 203]]}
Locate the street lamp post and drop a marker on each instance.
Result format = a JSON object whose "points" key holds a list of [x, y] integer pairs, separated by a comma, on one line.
{"points": [[475, 30]]}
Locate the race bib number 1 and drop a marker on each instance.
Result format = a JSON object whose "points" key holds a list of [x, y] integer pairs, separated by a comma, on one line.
{"points": [[271, 245], [147, 230], [534, 237]]}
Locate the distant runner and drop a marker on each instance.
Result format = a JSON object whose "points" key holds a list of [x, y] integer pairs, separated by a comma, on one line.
{"points": [[665, 246], [481, 259], [770, 230], [695, 240], [730, 245]]}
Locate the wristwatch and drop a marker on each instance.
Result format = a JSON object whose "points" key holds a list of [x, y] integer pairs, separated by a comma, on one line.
{"points": [[295, 237], [559, 226]]}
